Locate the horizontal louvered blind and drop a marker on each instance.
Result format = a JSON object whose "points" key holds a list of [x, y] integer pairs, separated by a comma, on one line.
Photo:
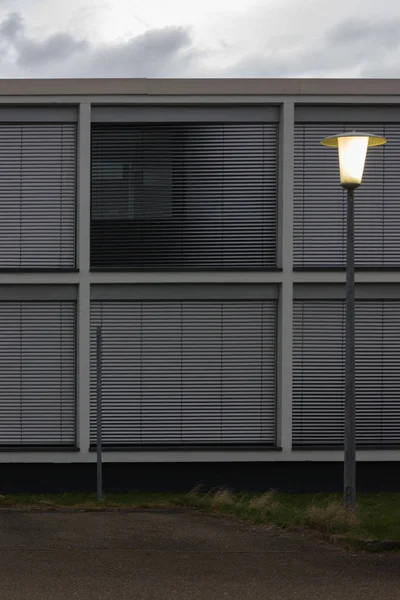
{"points": [[37, 371], [320, 202], [37, 195], [319, 372], [184, 196], [181, 373]]}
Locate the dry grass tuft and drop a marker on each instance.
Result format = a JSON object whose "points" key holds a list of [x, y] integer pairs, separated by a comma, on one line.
{"points": [[266, 502], [222, 498], [333, 517], [43, 502], [195, 492]]}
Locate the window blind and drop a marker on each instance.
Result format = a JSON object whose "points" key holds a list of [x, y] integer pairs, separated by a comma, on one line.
{"points": [[185, 373], [37, 370], [319, 372], [37, 195], [320, 202]]}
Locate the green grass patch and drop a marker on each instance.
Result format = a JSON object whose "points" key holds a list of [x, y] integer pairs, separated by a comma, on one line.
{"points": [[377, 516]]}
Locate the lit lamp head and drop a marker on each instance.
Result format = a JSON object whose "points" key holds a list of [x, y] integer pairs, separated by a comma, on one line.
{"points": [[352, 146]]}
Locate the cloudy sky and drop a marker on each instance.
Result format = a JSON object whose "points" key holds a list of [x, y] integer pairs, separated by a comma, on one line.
{"points": [[199, 38]]}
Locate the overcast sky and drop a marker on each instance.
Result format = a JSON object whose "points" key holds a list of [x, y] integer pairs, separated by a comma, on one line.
{"points": [[199, 38]]}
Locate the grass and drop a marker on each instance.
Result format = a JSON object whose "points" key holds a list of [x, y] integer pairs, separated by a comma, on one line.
{"points": [[377, 516]]}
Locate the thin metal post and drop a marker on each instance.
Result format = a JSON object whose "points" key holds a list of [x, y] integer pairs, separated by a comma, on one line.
{"points": [[350, 408], [99, 413]]}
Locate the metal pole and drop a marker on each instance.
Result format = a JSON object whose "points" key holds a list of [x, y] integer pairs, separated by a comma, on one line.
{"points": [[99, 415], [350, 408]]}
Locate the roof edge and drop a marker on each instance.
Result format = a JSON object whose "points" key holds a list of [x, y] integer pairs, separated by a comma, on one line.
{"points": [[199, 87]]}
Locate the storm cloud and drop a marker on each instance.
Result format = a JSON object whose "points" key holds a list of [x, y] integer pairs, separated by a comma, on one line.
{"points": [[11, 26], [164, 52], [56, 47], [350, 48], [245, 44]]}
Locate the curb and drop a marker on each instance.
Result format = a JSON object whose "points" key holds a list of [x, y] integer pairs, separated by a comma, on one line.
{"points": [[383, 546], [365, 545], [350, 543]]}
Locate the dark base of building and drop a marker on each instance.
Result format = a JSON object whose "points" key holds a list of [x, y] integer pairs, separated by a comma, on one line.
{"points": [[292, 477]]}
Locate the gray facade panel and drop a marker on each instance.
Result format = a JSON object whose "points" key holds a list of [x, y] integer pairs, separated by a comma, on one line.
{"points": [[347, 114], [184, 114], [191, 291], [337, 291], [37, 292], [38, 114]]}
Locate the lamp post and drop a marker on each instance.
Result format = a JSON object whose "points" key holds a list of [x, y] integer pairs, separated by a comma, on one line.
{"points": [[352, 147]]}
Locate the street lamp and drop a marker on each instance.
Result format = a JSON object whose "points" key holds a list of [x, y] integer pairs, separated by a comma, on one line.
{"points": [[352, 147]]}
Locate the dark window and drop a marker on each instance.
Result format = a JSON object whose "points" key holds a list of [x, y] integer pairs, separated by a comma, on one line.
{"points": [[184, 196]]}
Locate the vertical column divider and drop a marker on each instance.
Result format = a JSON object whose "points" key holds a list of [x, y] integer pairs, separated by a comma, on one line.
{"points": [[83, 263], [285, 261]]}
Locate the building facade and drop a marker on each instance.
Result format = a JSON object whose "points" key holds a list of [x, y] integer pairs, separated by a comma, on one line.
{"points": [[201, 226]]}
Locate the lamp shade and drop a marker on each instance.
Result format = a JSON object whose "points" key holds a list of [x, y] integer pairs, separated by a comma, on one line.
{"points": [[352, 146]]}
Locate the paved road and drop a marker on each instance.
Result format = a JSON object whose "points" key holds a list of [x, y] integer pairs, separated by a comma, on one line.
{"points": [[178, 555]]}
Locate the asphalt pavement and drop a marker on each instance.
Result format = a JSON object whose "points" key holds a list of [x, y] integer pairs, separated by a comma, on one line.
{"points": [[178, 555]]}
